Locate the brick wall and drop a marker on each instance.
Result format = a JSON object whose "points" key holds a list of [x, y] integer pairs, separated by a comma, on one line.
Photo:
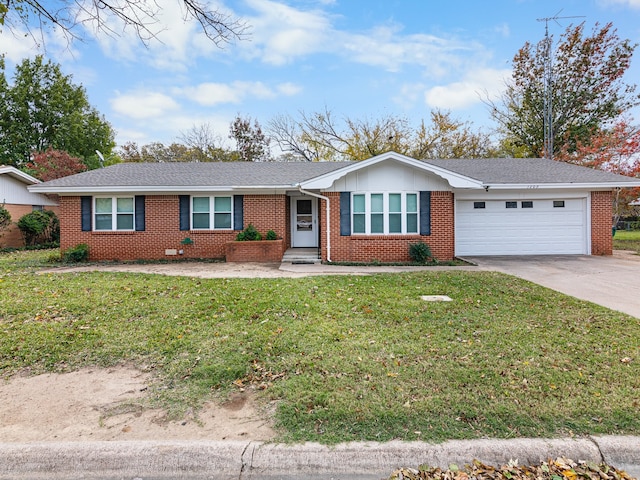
{"points": [[163, 232], [390, 248], [12, 237], [601, 223]]}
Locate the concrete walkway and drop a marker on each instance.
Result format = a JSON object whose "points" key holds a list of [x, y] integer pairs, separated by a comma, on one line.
{"points": [[613, 282], [247, 460]]}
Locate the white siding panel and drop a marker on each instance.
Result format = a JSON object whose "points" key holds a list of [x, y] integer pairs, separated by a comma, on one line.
{"points": [[543, 229], [15, 192], [389, 176]]}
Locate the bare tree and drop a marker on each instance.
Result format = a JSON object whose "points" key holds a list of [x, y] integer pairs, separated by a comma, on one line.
{"points": [[140, 15], [203, 143]]}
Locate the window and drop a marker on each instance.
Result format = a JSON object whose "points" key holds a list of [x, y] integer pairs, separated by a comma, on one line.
{"points": [[37, 208], [511, 204], [384, 213], [114, 213], [527, 204], [478, 205], [558, 204], [211, 213]]}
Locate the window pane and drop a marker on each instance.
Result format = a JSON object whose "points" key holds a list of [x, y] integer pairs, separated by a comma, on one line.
{"points": [[304, 207], [200, 220], [201, 204], [412, 223], [511, 204], [377, 223], [412, 202], [358, 223], [377, 203], [103, 205], [222, 204], [478, 205], [124, 205], [103, 221], [222, 220], [395, 223], [358, 204], [395, 203], [124, 222], [527, 204]]}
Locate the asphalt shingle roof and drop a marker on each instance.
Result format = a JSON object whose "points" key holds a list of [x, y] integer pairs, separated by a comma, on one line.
{"points": [[206, 174], [492, 171], [175, 175]]}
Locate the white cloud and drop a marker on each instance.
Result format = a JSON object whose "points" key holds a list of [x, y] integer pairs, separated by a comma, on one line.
{"points": [[467, 92], [210, 94], [626, 3], [281, 33], [143, 105]]}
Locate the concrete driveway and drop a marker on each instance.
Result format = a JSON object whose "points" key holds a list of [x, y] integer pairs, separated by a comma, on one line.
{"points": [[613, 282]]}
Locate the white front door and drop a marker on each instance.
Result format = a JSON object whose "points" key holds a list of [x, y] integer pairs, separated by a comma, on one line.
{"points": [[304, 222]]}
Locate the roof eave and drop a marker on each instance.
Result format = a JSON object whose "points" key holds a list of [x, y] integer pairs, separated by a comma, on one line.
{"points": [[151, 189], [573, 186]]}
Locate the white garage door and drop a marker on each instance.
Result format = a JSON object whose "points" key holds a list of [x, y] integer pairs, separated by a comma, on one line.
{"points": [[522, 227]]}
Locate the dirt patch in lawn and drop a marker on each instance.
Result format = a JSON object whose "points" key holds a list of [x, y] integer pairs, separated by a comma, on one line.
{"points": [[104, 404]]}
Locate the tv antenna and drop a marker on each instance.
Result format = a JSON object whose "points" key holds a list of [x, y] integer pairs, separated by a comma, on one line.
{"points": [[547, 114]]}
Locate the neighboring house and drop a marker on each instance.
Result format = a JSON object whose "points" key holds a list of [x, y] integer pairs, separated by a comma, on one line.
{"points": [[19, 201], [351, 211]]}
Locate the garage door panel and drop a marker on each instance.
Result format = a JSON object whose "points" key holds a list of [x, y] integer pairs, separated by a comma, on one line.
{"points": [[543, 229]]}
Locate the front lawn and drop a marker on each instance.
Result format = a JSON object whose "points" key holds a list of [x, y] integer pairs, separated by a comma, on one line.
{"points": [[627, 240], [344, 358]]}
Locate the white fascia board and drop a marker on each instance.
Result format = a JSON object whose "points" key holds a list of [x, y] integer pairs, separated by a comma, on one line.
{"points": [[562, 186], [160, 190], [18, 175], [455, 180]]}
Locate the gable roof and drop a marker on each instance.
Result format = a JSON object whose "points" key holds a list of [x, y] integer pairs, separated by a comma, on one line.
{"points": [[18, 175], [501, 173]]}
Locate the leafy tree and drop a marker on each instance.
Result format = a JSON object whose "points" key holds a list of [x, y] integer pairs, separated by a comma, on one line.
{"points": [[320, 137], [157, 152], [252, 145], [43, 109], [53, 164], [72, 17], [587, 89], [615, 150]]}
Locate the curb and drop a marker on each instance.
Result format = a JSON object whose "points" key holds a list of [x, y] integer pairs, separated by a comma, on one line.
{"points": [[160, 460]]}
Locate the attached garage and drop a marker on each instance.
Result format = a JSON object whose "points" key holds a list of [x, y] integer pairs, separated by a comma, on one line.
{"points": [[530, 226]]}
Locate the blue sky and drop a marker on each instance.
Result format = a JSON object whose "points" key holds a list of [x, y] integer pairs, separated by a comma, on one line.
{"points": [[359, 58]]}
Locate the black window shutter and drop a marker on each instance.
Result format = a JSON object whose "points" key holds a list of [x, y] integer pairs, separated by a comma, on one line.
{"points": [[345, 214], [185, 212], [85, 213], [140, 219], [238, 212], [425, 213]]}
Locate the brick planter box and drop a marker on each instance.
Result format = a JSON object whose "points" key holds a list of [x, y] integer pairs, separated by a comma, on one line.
{"points": [[265, 251]]}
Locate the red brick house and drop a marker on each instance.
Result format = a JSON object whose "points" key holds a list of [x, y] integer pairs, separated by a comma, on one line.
{"points": [[350, 211], [19, 201]]}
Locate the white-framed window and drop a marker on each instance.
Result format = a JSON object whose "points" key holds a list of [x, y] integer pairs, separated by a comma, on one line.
{"points": [[114, 213], [211, 213], [385, 213]]}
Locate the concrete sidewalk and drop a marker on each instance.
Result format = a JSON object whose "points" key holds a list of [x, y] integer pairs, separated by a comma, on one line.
{"points": [[251, 460]]}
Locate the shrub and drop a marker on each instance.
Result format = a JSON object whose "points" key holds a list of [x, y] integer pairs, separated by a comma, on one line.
{"points": [[79, 253], [420, 252], [5, 218], [39, 227], [271, 235], [249, 234]]}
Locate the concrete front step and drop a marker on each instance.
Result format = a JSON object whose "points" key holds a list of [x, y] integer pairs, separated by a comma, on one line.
{"points": [[301, 255]]}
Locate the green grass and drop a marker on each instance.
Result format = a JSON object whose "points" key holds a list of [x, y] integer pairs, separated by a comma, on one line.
{"points": [[627, 240], [344, 358]]}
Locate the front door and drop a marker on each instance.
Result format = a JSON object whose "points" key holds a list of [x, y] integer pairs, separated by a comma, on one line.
{"points": [[304, 222]]}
